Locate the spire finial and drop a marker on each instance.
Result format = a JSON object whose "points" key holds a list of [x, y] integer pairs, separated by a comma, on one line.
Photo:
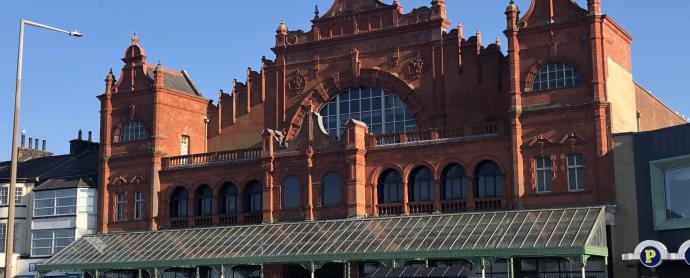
{"points": [[316, 11], [282, 28], [135, 39]]}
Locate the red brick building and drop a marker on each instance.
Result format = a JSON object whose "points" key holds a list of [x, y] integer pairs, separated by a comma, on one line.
{"points": [[442, 122]]}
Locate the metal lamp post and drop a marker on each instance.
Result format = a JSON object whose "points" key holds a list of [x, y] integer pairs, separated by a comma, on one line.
{"points": [[9, 235]]}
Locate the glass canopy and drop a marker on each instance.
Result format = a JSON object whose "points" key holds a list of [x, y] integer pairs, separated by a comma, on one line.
{"points": [[552, 232]]}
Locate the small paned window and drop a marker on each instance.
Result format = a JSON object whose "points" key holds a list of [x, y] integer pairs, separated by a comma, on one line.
{"points": [[133, 131], [55, 202], [390, 188], [291, 193], [454, 181], [138, 205], [184, 145], [422, 185], [488, 180], [3, 196], [544, 175], [49, 242], [382, 111], [331, 189], [576, 173], [18, 194], [121, 207], [555, 76]]}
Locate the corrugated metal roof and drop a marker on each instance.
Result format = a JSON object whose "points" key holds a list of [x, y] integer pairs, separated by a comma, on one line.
{"points": [[567, 232]]}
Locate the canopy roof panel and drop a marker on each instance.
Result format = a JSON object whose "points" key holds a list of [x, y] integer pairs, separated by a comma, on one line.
{"points": [[549, 232]]}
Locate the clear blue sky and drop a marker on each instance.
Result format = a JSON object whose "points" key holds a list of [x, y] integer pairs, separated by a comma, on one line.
{"points": [[215, 41]]}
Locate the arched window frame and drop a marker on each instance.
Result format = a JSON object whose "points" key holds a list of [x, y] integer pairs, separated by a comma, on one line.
{"points": [[291, 193], [228, 199], [179, 203], [541, 73], [454, 183], [382, 111], [203, 201], [488, 180], [421, 183], [332, 190], [390, 187], [132, 131], [253, 197]]}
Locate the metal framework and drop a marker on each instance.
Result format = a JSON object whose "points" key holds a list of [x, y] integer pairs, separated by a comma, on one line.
{"points": [[482, 236]]}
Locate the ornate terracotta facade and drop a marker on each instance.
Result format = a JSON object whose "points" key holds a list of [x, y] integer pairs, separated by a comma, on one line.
{"points": [[471, 104]]}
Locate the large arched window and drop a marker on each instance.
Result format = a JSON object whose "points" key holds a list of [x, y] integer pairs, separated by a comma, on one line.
{"points": [[132, 131], [454, 182], [178, 203], [390, 187], [382, 111], [331, 189], [291, 193], [228, 199], [204, 201], [253, 197], [488, 180], [555, 76], [421, 184]]}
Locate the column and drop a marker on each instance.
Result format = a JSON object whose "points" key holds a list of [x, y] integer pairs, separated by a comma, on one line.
{"points": [[511, 268], [437, 198], [406, 197]]}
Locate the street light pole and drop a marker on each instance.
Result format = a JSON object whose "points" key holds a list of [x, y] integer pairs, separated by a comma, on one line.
{"points": [[9, 235]]}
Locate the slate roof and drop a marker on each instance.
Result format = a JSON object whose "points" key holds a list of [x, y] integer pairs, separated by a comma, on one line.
{"points": [[180, 82], [57, 172]]}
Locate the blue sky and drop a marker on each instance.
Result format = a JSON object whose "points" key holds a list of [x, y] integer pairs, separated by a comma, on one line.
{"points": [[215, 41]]}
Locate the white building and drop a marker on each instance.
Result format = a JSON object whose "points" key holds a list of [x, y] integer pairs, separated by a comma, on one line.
{"points": [[55, 204]]}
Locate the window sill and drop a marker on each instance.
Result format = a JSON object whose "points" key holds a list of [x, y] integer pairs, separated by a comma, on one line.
{"points": [[672, 224], [559, 193]]}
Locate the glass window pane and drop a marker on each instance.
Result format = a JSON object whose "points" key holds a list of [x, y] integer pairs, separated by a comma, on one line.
{"points": [[291, 192], [677, 182]]}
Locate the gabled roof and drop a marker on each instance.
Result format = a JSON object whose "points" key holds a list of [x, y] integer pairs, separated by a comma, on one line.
{"points": [[58, 172], [548, 232]]}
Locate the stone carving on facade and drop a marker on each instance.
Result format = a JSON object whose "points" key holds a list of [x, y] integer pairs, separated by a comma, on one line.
{"points": [[124, 180], [296, 83], [415, 68], [572, 138]]}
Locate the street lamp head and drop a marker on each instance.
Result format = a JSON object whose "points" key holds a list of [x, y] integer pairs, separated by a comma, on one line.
{"points": [[75, 34]]}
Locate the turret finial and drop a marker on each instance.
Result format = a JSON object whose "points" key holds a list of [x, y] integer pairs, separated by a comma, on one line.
{"points": [[316, 11], [135, 39]]}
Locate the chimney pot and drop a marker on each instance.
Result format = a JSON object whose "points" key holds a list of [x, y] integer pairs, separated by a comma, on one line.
{"points": [[36, 144], [31, 143], [23, 139], [79, 135], [43, 148], [90, 133]]}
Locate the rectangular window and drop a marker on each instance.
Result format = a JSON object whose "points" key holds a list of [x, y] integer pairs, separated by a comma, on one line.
{"points": [[18, 194], [55, 202], [138, 205], [544, 176], [120, 207], [677, 183], [670, 182], [49, 242], [3, 233], [3, 196], [184, 145], [576, 173]]}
